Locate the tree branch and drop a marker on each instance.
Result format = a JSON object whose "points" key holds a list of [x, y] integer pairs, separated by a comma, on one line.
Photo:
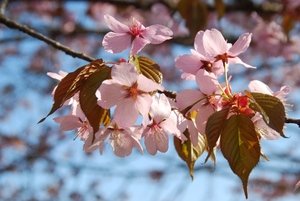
{"points": [[25, 29], [292, 121]]}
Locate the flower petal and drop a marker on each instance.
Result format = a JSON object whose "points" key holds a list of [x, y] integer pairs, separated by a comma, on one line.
{"points": [[110, 93], [240, 45], [115, 25], [124, 73], [147, 85], [188, 63], [116, 42], [207, 82], [202, 117], [214, 42], [143, 103], [161, 33], [138, 44], [126, 113]]}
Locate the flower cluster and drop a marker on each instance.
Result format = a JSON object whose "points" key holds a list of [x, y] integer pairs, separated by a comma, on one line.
{"points": [[140, 108]]}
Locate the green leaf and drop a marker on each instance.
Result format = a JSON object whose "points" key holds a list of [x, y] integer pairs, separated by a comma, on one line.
{"points": [[150, 69], [240, 146], [88, 100], [188, 152], [214, 127], [195, 14], [71, 84], [273, 108]]}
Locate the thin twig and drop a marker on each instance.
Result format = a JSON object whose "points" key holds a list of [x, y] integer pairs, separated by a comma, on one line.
{"points": [[292, 121], [3, 6], [23, 28]]}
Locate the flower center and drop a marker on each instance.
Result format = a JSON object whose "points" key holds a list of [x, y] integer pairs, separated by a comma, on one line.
{"points": [[136, 28]]}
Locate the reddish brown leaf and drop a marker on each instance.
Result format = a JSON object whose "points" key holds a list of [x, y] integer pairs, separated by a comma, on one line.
{"points": [[240, 146]]}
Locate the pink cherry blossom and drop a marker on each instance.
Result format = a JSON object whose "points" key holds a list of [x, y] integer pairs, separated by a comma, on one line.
{"points": [[75, 120], [156, 133], [136, 34], [129, 91], [122, 140], [199, 59], [216, 46]]}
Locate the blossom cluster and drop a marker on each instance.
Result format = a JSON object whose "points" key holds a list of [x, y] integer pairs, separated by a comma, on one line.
{"points": [[140, 108]]}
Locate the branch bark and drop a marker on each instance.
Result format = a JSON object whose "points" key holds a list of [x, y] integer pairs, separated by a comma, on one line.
{"points": [[293, 121], [25, 29]]}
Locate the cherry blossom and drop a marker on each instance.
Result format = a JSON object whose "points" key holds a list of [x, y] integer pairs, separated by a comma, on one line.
{"points": [[129, 91], [75, 120], [214, 45], [121, 139], [136, 34], [156, 133]]}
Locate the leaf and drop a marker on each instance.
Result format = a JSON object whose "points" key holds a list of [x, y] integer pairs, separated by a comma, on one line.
{"points": [[189, 153], [213, 129], [195, 14], [88, 100], [150, 69], [240, 146], [220, 7], [71, 84], [273, 108]]}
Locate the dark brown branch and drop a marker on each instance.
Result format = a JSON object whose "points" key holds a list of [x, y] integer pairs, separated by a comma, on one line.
{"points": [[292, 121], [23, 28]]}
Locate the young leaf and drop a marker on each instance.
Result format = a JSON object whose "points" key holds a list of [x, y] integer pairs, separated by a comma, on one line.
{"points": [[240, 146], [273, 108], [71, 84], [214, 127], [189, 153], [150, 69], [88, 100]]}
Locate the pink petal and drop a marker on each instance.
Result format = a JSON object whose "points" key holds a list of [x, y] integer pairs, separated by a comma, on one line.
{"points": [[143, 103], [110, 94], [284, 91], [170, 126], [116, 42], [297, 186], [187, 97], [188, 63], [69, 122], [240, 45], [214, 42], [161, 33], [265, 131], [115, 25], [198, 44], [147, 85], [160, 108], [193, 132], [202, 117], [156, 141], [124, 73], [237, 60], [138, 44], [126, 113], [207, 82], [258, 86]]}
